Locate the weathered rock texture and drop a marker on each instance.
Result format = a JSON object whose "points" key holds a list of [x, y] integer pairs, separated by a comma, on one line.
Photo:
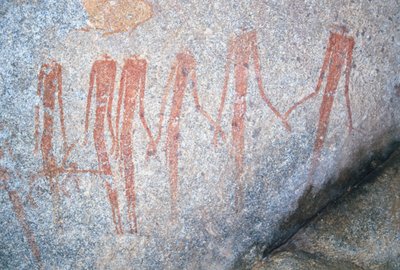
{"points": [[360, 231], [181, 134]]}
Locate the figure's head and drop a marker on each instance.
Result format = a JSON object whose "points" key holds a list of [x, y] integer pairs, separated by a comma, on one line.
{"points": [[106, 56], [339, 28], [140, 62]]}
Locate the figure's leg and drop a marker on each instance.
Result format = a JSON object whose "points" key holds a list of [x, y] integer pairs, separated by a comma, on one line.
{"points": [[113, 199], [21, 216], [325, 110], [105, 167], [50, 167], [129, 171], [172, 160], [238, 149]]}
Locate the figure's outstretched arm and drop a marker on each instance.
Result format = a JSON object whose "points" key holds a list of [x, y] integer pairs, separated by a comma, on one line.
{"points": [[349, 59], [89, 100], [142, 87], [110, 102], [121, 94], [37, 106], [218, 129], [60, 105], [256, 59], [199, 107], [172, 74], [320, 79]]}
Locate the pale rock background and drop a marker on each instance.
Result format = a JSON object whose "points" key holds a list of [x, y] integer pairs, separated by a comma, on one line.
{"points": [[209, 234]]}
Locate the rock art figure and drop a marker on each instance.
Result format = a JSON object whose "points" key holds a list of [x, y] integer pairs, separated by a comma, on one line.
{"points": [[102, 79], [117, 15], [338, 56], [131, 91], [241, 50], [49, 91], [6, 177], [183, 71]]}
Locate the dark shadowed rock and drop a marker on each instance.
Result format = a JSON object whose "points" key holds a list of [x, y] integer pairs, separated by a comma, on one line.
{"points": [[359, 231]]}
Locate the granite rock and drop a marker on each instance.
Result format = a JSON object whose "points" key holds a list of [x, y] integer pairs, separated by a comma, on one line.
{"points": [[171, 134], [359, 231]]}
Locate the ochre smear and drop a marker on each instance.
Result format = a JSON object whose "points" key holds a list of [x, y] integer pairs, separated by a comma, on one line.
{"points": [[115, 16], [102, 77], [182, 72], [338, 55], [241, 50], [19, 211], [50, 91], [132, 87]]}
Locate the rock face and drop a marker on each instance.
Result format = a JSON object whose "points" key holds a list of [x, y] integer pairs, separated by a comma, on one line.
{"points": [[181, 134], [361, 231]]}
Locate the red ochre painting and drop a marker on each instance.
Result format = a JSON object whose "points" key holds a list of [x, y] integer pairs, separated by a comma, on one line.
{"points": [[241, 54], [181, 77], [130, 98], [241, 50], [15, 199], [338, 56], [49, 91]]}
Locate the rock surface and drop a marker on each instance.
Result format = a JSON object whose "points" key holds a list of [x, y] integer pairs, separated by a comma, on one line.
{"points": [[359, 231], [182, 134]]}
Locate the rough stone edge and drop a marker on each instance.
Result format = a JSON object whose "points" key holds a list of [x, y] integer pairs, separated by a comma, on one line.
{"points": [[368, 162]]}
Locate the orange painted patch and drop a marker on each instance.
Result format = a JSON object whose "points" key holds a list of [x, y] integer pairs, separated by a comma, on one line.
{"points": [[114, 16]]}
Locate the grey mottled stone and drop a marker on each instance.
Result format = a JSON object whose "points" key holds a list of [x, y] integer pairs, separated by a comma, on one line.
{"points": [[76, 230], [359, 231]]}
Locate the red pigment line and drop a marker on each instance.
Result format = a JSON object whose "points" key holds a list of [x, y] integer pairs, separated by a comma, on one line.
{"points": [[339, 53], [102, 77], [173, 132], [50, 85], [132, 87], [182, 72], [21, 216], [340, 48], [241, 50], [19, 211]]}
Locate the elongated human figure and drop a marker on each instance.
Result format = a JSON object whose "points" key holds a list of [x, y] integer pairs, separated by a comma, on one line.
{"points": [[102, 78], [6, 176], [241, 50], [338, 55], [183, 71], [131, 91], [50, 92]]}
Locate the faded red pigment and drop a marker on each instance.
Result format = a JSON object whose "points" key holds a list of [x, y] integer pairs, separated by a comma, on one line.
{"points": [[18, 209], [49, 88], [132, 89], [339, 54], [242, 53], [241, 50], [49, 91], [183, 71], [102, 77]]}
